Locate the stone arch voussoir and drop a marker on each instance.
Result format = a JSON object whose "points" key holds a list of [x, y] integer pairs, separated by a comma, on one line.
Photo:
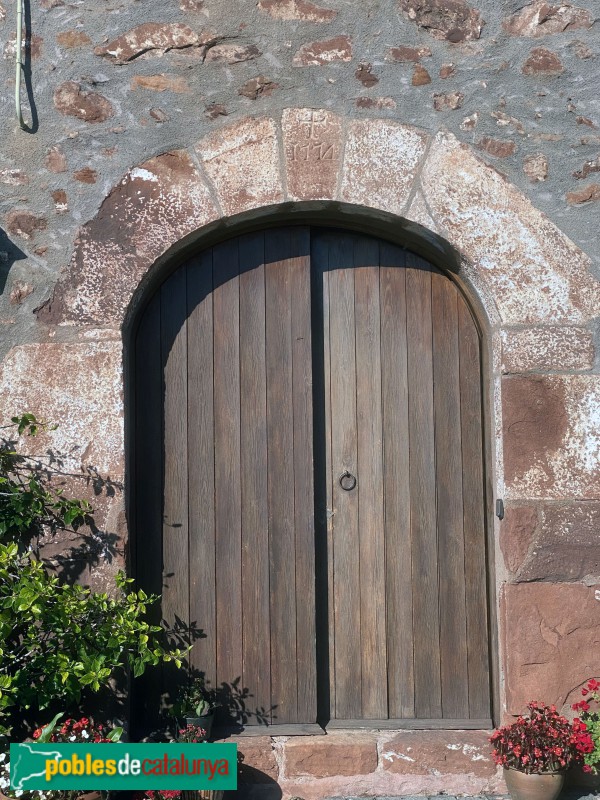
{"points": [[523, 268]]}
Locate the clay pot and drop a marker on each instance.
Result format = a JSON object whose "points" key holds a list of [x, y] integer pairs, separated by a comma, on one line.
{"points": [[536, 786]]}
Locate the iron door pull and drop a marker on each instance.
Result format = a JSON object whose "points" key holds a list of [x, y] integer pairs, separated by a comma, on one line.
{"points": [[347, 481]]}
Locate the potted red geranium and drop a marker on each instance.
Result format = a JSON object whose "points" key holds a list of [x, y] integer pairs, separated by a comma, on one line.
{"points": [[537, 749], [589, 715]]}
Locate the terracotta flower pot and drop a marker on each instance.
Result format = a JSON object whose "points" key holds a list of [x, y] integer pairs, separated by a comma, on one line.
{"points": [[536, 786]]}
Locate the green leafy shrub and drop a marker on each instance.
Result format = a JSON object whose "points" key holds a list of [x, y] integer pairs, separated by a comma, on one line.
{"points": [[28, 502], [57, 639]]}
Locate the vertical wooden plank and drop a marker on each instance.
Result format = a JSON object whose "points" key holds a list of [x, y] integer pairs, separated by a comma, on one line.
{"points": [[255, 522], [304, 506], [428, 701], [344, 457], [323, 474], [474, 516], [396, 472], [175, 594], [370, 489], [280, 432], [227, 461], [448, 462], [201, 467], [148, 491]]}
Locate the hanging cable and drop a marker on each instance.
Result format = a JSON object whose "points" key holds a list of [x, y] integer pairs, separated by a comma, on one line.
{"points": [[19, 64]]}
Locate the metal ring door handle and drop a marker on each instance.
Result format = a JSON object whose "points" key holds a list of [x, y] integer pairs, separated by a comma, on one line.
{"points": [[347, 481]]}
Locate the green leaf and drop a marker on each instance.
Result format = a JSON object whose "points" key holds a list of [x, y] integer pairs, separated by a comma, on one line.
{"points": [[49, 728], [115, 735]]}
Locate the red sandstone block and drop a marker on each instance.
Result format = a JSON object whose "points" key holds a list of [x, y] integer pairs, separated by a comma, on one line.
{"points": [[155, 205], [312, 142], [46, 379], [242, 161], [455, 22], [334, 754], [435, 752], [550, 436], [516, 534], [73, 100], [371, 147], [302, 10], [549, 630], [324, 52], [150, 36], [540, 19], [542, 61], [566, 546], [546, 279], [259, 764]]}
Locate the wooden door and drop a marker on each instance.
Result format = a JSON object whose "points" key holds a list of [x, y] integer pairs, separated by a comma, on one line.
{"points": [[408, 632], [265, 368], [224, 472]]}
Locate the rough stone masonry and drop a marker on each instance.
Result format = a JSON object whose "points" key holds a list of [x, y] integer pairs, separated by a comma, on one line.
{"points": [[480, 121]]}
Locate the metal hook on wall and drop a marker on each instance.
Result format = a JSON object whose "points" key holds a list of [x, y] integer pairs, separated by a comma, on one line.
{"points": [[19, 64]]}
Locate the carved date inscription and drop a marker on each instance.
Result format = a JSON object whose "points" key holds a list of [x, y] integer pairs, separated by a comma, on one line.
{"points": [[312, 146], [311, 151]]}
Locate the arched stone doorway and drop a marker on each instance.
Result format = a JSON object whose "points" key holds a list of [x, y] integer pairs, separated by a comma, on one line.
{"points": [[528, 281], [309, 481]]}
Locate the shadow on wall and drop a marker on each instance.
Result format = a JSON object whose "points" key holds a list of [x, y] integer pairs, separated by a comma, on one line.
{"points": [[28, 107], [9, 253], [92, 544], [72, 549]]}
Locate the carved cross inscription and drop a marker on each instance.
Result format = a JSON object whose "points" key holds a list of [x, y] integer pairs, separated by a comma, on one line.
{"points": [[312, 147]]}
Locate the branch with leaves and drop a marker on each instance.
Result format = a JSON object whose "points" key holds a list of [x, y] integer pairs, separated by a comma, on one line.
{"points": [[29, 504], [58, 640]]}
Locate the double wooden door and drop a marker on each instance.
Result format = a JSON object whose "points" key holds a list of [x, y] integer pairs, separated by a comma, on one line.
{"points": [[309, 480]]}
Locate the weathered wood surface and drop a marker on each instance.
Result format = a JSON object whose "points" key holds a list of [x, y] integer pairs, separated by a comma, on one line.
{"points": [[395, 605]]}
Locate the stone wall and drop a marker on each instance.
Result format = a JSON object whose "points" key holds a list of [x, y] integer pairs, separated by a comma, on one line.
{"points": [[472, 130]]}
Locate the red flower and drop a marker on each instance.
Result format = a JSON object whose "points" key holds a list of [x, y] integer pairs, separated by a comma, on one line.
{"points": [[37, 733], [593, 685], [541, 742]]}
